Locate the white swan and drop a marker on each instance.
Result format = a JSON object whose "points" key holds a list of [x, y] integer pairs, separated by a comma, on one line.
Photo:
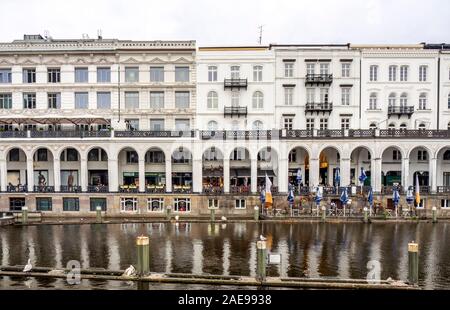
{"points": [[223, 218], [28, 266], [262, 238], [177, 217], [130, 271]]}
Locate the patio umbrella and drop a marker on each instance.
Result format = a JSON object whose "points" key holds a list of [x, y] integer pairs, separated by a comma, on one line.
{"points": [[362, 178], [291, 197], [344, 198], [299, 177], [337, 179], [370, 200], [410, 196], [396, 199]]}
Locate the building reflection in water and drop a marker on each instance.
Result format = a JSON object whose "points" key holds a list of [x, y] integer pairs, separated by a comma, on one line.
{"points": [[226, 257]]}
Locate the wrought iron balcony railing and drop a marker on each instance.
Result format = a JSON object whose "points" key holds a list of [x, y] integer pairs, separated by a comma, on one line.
{"points": [[319, 79], [235, 83], [154, 134], [319, 107], [235, 111], [43, 189], [98, 188], [400, 111], [17, 188], [70, 189]]}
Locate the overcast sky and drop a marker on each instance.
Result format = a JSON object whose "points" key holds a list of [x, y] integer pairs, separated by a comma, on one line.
{"points": [[232, 22]]}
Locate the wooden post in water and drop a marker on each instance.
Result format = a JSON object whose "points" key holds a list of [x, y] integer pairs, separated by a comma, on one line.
{"points": [[366, 215], [98, 209], [256, 213], [261, 260], [143, 255], [324, 213], [434, 212], [168, 211], [213, 215], [413, 263], [24, 215]]}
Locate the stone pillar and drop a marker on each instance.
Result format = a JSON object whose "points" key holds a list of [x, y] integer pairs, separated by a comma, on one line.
{"points": [[142, 174], [377, 175], [57, 174], [3, 175], [169, 175], [283, 168], [226, 175], [405, 173], [314, 172], [84, 174], [197, 176], [30, 174], [345, 171], [254, 175], [113, 174], [433, 175]]}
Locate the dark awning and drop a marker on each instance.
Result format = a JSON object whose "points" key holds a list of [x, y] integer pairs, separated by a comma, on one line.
{"points": [[262, 173], [242, 172]]}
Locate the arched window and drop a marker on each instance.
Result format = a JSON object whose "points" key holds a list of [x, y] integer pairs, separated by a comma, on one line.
{"points": [[391, 126], [373, 101], [213, 100], [257, 125], [448, 126], [212, 126], [392, 99], [258, 100], [422, 126], [403, 126], [373, 126], [447, 155], [404, 100], [423, 101]]}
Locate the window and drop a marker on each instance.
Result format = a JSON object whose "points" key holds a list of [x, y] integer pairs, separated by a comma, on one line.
{"points": [[156, 74], [156, 99], [69, 154], [345, 123], [310, 68], [213, 203], [54, 75], [97, 202], [257, 73], [5, 76], [346, 66], [54, 100], [182, 204], [212, 100], [131, 74], [404, 100], [447, 155], [373, 126], [288, 123], [345, 96], [310, 123], [181, 74], [396, 155], [97, 155], [155, 204], [235, 72], [422, 126], [404, 73], [132, 157], [258, 100], [373, 101], [29, 101], [239, 204], [131, 100], [239, 154], [288, 69], [293, 156], [423, 73], [212, 74], [103, 100], [448, 126], [403, 126], [310, 95], [373, 74], [5, 101], [324, 69], [324, 95], [132, 124], [182, 125], [392, 73], [422, 155], [43, 204], [155, 157], [29, 75], [423, 101], [42, 155], [323, 124], [288, 96], [392, 99], [235, 98], [81, 100], [14, 155], [391, 126], [257, 125], [104, 75], [212, 126], [128, 204], [71, 204], [157, 124], [81, 75], [445, 203], [182, 99]]}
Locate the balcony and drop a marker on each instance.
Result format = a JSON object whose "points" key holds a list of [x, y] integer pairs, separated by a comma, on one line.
{"points": [[70, 189], [128, 189], [318, 79], [13, 134], [70, 134], [16, 189], [240, 135], [43, 189], [154, 134], [235, 111], [323, 107], [212, 190], [155, 189], [235, 84], [98, 189], [443, 189], [401, 111], [182, 189], [240, 190], [328, 133]]}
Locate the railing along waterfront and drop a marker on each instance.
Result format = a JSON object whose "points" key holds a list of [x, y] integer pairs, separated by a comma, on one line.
{"points": [[239, 134], [154, 134]]}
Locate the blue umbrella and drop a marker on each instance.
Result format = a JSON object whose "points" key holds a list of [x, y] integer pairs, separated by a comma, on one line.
{"points": [[410, 196], [262, 197], [291, 195], [396, 197], [299, 176], [370, 197], [363, 176], [337, 177], [344, 196], [318, 197]]}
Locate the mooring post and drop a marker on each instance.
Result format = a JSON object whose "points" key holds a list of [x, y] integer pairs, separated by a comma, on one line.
{"points": [[168, 211], [366, 215], [24, 215], [143, 255], [98, 209], [213, 215], [324, 213], [261, 260], [256, 213], [413, 263], [434, 212]]}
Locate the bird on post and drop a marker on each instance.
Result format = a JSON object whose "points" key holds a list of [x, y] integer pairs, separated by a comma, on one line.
{"points": [[28, 266], [223, 218], [129, 272], [262, 238]]}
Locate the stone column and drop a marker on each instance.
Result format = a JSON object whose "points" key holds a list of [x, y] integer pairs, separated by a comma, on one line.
{"points": [[283, 169], [345, 171], [254, 175], [30, 174], [169, 175], [84, 174], [405, 173], [3, 175], [376, 175], [314, 172], [141, 174], [57, 174], [226, 175], [433, 175], [113, 174], [197, 176]]}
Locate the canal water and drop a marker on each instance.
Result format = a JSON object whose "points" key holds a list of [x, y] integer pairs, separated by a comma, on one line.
{"points": [[332, 250]]}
